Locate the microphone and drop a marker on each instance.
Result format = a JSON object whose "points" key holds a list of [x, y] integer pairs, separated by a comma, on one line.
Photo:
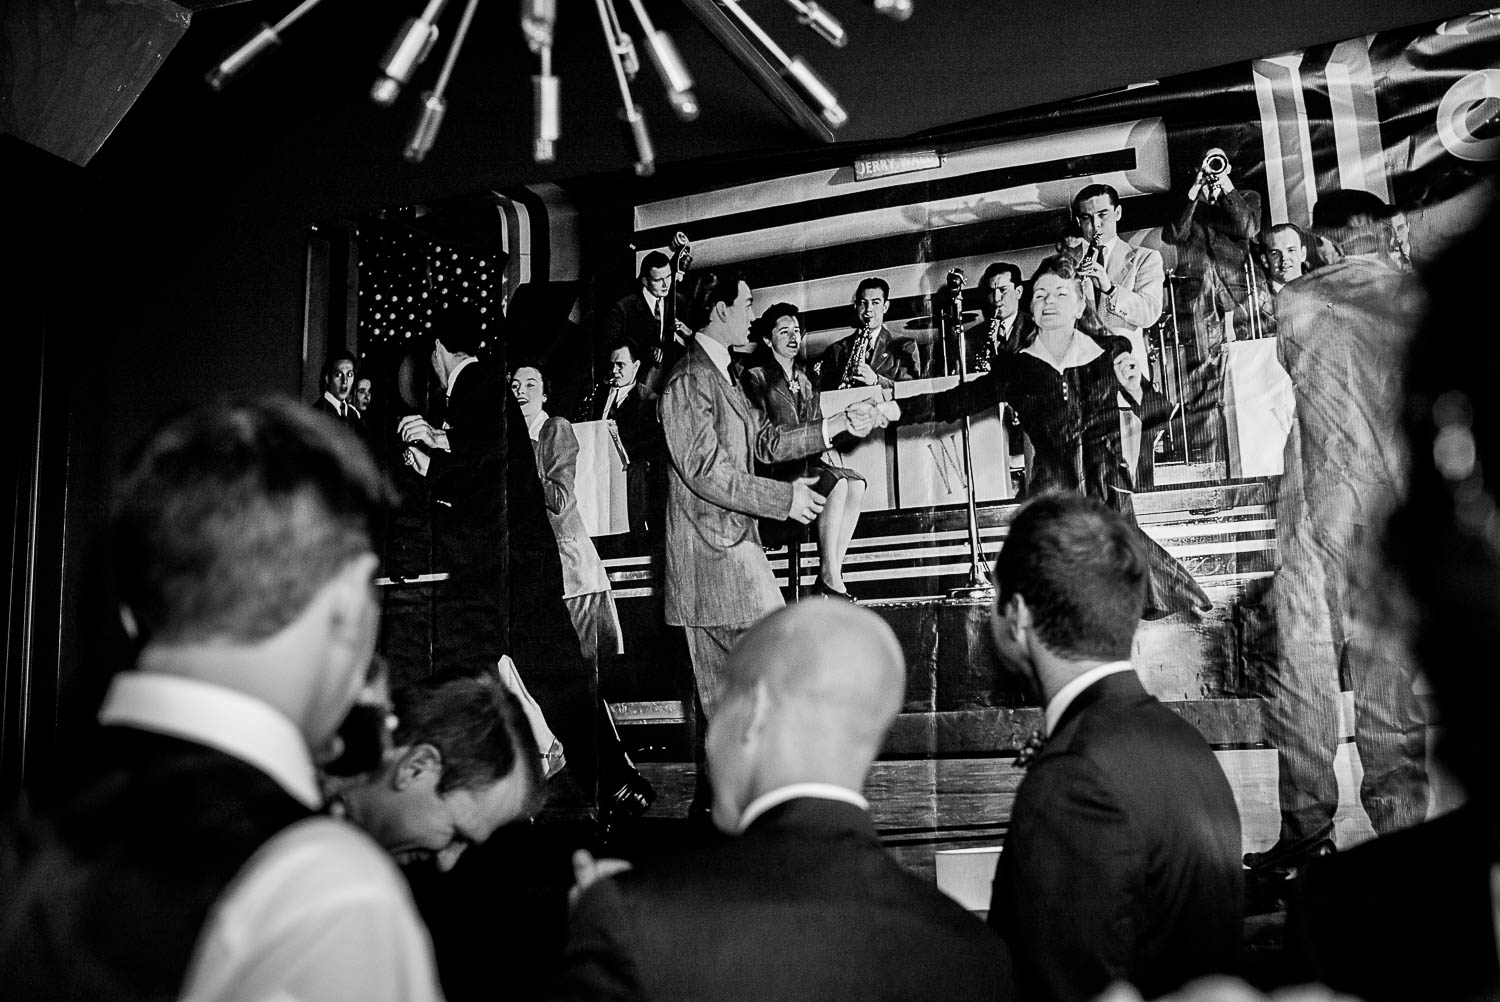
{"points": [[896, 10], [407, 51], [812, 15], [266, 38]]}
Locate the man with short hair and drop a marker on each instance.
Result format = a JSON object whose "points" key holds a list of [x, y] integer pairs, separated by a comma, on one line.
{"points": [[187, 858], [1122, 860], [338, 386], [886, 359], [642, 316], [1344, 331], [1285, 252], [465, 763], [803, 902], [718, 580], [631, 409], [1004, 329], [364, 393]]}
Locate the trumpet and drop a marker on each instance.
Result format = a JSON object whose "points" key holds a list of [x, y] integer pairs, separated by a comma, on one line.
{"points": [[1215, 163]]}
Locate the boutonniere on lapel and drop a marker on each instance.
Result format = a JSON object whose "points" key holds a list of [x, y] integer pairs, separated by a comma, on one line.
{"points": [[1030, 748]]}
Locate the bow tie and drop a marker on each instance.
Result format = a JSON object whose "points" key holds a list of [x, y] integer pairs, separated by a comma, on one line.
{"points": [[1030, 748]]}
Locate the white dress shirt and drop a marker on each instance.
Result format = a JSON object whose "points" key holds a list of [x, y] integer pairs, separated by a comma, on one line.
{"points": [[340, 407], [820, 791], [1058, 704]]}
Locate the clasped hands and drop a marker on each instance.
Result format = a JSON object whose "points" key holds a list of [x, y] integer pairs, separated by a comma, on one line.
{"points": [[864, 416], [414, 431]]}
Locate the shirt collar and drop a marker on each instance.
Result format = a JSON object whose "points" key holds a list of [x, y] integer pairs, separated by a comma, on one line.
{"points": [[338, 405], [717, 353], [232, 722], [453, 373], [821, 791], [1058, 705], [1081, 351], [534, 426]]}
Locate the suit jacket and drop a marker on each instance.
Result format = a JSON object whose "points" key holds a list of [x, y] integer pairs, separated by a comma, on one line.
{"points": [[1123, 857], [469, 479], [352, 420], [805, 904], [631, 317], [1022, 332], [717, 573], [1406, 916], [771, 393], [1135, 302], [557, 466], [1213, 245], [892, 358], [639, 425]]}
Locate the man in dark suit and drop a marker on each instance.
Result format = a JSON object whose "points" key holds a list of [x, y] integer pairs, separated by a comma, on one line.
{"points": [[642, 317], [802, 902], [630, 408], [887, 358], [184, 857], [1122, 860], [490, 518], [1005, 329], [338, 389]]}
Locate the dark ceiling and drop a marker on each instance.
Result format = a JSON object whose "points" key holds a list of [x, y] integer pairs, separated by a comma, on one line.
{"points": [[298, 130]]}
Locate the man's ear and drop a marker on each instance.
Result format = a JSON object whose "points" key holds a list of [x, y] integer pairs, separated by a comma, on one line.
{"points": [[760, 710], [421, 764], [1016, 618], [128, 622]]}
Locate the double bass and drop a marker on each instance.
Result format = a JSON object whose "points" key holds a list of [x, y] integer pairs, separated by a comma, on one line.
{"points": [[682, 259]]}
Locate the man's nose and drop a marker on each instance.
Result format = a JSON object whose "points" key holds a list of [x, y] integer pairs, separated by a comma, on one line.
{"points": [[446, 858]]}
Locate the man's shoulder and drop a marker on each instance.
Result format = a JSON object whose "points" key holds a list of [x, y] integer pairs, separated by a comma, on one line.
{"points": [[319, 858]]}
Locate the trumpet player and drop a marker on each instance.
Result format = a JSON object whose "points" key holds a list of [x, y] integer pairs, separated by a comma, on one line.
{"points": [[1212, 234], [871, 355]]}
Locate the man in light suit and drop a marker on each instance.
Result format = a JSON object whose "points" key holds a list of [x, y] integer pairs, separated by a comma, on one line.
{"points": [[1122, 860], [719, 581], [888, 359], [1127, 286], [803, 902]]}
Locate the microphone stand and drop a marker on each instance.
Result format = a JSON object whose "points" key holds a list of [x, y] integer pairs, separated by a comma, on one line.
{"points": [[979, 586]]}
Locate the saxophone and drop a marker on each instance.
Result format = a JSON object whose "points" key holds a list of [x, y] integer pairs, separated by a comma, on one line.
{"points": [[863, 337]]}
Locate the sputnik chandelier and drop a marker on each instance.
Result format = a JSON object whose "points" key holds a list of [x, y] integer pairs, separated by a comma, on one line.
{"points": [[786, 79]]}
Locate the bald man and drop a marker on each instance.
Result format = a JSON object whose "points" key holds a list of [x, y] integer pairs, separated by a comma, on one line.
{"points": [[802, 902]]}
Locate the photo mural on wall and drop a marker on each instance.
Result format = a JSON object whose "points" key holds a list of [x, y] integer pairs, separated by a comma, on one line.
{"points": [[1411, 116]]}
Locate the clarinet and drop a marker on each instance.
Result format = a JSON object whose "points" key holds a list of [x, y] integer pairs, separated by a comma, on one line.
{"points": [[984, 355]]}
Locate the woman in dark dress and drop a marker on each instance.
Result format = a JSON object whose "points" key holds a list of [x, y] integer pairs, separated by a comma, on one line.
{"points": [[1071, 390], [780, 389]]}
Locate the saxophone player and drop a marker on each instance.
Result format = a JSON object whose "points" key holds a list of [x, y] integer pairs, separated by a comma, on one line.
{"points": [[871, 355], [1005, 328]]}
